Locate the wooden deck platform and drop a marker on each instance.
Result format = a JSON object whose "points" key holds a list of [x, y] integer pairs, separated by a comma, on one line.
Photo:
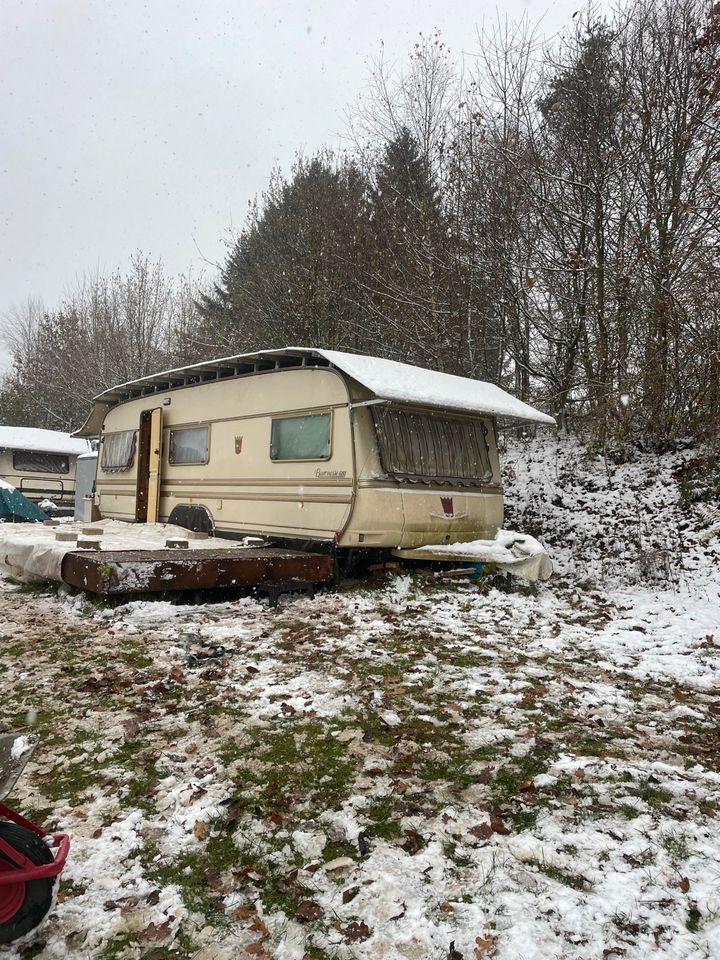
{"points": [[114, 572]]}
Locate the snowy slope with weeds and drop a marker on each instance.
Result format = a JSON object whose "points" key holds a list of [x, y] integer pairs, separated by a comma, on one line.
{"points": [[409, 768]]}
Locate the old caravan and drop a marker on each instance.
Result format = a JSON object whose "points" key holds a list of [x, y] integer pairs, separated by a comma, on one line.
{"points": [[40, 463], [307, 445]]}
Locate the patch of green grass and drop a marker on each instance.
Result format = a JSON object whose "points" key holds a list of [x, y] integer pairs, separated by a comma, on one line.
{"points": [[138, 793], [569, 848], [305, 765], [70, 782], [339, 848], [384, 819], [188, 873], [676, 845], [652, 794], [562, 875], [625, 922], [116, 947], [137, 659], [509, 778]]}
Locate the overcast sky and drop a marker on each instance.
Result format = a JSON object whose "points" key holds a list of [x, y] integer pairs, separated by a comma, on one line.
{"points": [[150, 125]]}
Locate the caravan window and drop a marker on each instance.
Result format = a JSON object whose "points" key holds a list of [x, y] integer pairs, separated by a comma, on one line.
{"points": [[118, 451], [34, 461], [427, 447], [190, 445], [301, 438]]}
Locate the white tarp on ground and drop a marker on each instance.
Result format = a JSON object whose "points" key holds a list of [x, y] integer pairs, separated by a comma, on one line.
{"points": [[45, 441], [30, 552], [513, 552]]}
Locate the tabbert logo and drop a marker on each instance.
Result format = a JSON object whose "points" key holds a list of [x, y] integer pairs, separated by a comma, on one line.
{"points": [[238, 444]]}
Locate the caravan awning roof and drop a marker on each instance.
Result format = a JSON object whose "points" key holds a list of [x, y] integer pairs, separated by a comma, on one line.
{"points": [[385, 379]]}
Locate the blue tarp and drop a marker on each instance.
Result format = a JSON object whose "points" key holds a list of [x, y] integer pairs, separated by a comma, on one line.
{"points": [[16, 507]]}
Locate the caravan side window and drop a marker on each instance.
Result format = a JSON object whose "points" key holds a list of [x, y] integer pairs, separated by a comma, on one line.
{"points": [[189, 445], [301, 438], [118, 451], [33, 461]]}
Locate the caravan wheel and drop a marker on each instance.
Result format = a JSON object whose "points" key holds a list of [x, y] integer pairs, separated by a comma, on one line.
{"points": [[23, 905]]}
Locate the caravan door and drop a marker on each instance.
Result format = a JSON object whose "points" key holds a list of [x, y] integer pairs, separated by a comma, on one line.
{"points": [[147, 499]]}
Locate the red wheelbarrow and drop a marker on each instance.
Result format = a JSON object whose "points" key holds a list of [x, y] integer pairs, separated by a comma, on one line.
{"points": [[28, 867]]}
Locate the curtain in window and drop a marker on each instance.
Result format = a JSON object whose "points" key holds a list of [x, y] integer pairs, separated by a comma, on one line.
{"points": [[118, 451], [301, 438], [190, 445], [34, 461], [427, 447]]}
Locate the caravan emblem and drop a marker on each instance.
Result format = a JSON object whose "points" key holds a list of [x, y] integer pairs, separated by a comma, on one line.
{"points": [[447, 505], [238, 444]]}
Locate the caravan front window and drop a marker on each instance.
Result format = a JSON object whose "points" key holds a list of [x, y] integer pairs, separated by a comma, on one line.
{"points": [[33, 461], [301, 438], [190, 445], [427, 447]]}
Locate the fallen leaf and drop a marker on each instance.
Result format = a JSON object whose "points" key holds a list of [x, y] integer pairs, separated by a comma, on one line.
{"points": [[154, 932], [399, 916], [257, 950], [483, 831], [132, 727], [258, 926], [497, 824], [684, 884], [308, 910], [356, 932], [414, 842], [213, 878], [243, 913], [484, 947], [201, 829]]}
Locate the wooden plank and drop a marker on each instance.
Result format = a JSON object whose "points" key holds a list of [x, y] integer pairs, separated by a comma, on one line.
{"points": [[113, 572]]}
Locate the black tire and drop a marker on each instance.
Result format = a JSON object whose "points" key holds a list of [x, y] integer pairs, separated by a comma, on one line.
{"points": [[38, 893]]}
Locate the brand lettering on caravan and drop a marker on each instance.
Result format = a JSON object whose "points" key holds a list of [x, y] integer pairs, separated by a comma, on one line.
{"points": [[330, 474]]}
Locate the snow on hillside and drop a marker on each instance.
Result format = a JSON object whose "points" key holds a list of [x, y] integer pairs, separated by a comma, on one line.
{"points": [[616, 523], [409, 768]]}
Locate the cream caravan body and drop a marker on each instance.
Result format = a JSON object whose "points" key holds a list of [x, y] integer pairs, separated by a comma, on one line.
{"points": [[306, 445], [41, 464]]}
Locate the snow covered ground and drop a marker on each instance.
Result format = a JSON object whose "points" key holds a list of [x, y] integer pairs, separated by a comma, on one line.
{"points": [[404, 768]]}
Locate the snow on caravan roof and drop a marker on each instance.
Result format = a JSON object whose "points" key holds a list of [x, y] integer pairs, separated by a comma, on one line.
{"points": [[404, 383], [46, 441], [385, 379]]}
